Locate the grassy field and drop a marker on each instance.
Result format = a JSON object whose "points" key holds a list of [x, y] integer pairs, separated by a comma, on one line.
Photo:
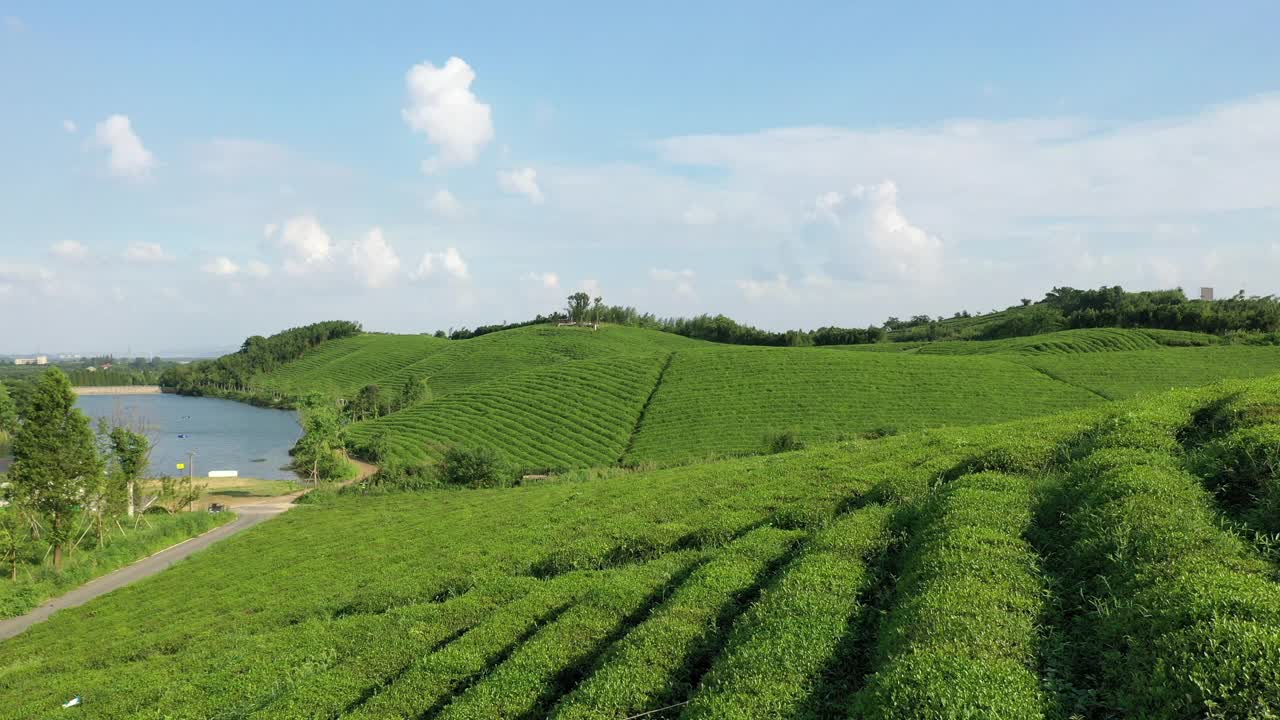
{"points": [[559, 398], [723, 400], [37, 582], [948, 573]]}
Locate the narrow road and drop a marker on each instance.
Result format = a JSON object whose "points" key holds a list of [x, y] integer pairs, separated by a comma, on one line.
{"points": [[247, 517]]}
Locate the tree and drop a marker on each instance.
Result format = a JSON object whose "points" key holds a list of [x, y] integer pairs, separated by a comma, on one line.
{"points": [[8, 412], [315, 453], [131, 451], [55, 459], [413, 392], [579, 302], [597, 303], [15, 534]]}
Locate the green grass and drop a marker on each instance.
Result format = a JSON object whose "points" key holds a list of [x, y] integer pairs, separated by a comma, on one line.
{"points": [[1117, 375], [573, 414], [565, 398], [37, 581], [722, 400], [1063, 564]]}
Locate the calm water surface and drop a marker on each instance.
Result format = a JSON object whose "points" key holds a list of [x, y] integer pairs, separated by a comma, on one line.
{"points": [[224, 435]]}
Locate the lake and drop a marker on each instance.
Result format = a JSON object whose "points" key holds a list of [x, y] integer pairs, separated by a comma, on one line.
{"points": [[224, 435]]}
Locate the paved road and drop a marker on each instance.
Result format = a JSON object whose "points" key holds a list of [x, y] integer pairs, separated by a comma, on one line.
{"points": [[247, 517]]}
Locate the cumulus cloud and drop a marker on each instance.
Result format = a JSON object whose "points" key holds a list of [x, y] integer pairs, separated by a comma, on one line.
{"points": [[871, 238], [443, 107], [220, 266], [70, 250], [375, 260], [548, 280], [146, 252], [69, 126], [523, 181], [448, 264], [127, 158], [306, 245], [444, 204], [680, 282], [16, 272]]}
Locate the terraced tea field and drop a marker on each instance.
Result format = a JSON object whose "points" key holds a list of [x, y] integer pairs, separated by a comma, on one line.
{"points": [[722, 400], [557, 398], [954, 573]]}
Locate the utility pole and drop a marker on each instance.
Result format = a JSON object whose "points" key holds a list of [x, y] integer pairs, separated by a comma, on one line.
{"points": [[191, 469]]}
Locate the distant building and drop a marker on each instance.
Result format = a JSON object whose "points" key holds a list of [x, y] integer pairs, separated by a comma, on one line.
{"points": [[1206, 293], [37, 360]]}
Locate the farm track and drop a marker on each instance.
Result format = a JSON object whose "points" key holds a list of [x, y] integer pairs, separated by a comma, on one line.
{"points": [[247, 517]]}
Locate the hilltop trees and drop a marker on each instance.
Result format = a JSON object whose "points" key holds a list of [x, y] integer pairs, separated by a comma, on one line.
{"points": [[579, 304], [55, 459], [257, 354]]}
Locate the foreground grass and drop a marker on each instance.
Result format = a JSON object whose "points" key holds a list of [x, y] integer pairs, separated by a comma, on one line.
{"points": [[1075, 565], [37, 581]]}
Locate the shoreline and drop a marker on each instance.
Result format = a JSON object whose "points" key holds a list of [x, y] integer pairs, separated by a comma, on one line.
{"points": [[119, 390]]}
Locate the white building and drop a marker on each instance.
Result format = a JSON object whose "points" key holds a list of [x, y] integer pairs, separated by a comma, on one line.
{"points": [[37, 360]]}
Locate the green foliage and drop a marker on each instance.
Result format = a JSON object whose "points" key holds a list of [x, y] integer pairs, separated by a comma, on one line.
{"points": [[782, 441], [8, 412], [124, 544], [1057, 566], [721, 400], [961, 640], [257, 355], [475, 467], [55, 460], [318, 454]]}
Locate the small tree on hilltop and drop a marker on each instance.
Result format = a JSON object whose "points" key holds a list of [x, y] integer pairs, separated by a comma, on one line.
{"points": [[579, 303], [55, 459]]}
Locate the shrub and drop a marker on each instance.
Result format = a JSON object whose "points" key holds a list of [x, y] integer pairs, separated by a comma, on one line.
{"points": [[782, 441], [477, 467], [394, 477]]}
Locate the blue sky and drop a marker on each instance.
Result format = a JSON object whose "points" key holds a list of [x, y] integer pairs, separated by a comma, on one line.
{"points": [[176, 177]]}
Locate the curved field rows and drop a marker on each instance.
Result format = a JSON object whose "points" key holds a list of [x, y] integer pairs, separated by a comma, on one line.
{"points": [[1067, 566], [724, 400], [1119, 375], [573, 414], [344, 366], [1089, 340]]}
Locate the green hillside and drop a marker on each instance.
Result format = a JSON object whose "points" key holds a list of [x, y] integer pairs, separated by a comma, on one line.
{"points": [[722, 400], [552, 397], [946, 573], [577, 413]]}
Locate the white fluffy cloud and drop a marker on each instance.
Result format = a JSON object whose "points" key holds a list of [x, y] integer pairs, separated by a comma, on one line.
{"points": [[547, 280], [445, 204], [374, 259], [305, 243], [70, 250], [443, 107], [448, 264], [69, 126], [872, 240], [522, 181], [220, 266], [146, 252], [680, 282], [127, 158]]}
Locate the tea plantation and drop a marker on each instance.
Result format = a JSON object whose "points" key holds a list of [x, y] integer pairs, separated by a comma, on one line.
{"points": [[1104, 562], [555, 398]]}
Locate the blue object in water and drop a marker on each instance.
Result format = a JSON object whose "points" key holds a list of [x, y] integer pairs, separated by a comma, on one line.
{"points": [[182, 437]]}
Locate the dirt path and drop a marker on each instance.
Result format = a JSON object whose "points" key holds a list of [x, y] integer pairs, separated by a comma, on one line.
{"points": [[247, 517]]}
